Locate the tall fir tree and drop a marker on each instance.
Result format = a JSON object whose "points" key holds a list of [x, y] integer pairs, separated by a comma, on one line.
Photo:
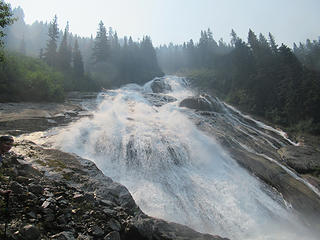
{"points": [[77, 60], [51, 49], [65, 53], [101, 45]]}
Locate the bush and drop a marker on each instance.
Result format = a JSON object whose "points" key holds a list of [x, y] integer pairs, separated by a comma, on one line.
{"points": [[28, 79]]}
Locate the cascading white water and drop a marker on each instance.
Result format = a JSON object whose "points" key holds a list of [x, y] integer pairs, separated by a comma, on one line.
{"points": [[173, 170]]}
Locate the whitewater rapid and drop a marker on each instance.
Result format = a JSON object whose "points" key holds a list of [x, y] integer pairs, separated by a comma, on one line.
{"points": [[173, 170]]}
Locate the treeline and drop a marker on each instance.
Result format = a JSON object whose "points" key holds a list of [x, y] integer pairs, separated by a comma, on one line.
{"points": [[83, 64], [261, 77]]}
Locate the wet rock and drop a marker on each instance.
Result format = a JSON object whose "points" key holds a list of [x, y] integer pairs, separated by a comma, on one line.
{"points": [[303, 159], [160, 86], [158, 99], [202, 103]]}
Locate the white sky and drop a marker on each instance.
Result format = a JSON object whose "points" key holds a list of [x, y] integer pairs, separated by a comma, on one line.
{"points": [[180, 20]]}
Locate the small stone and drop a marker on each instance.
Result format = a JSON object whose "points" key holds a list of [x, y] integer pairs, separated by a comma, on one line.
{"points": [[45, 204], [78, 197], [112, 236], [36, 189]]}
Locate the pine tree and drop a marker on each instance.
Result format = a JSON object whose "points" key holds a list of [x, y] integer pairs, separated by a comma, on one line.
{"points": [[77, 60], [51, 50], [101, 45], [273, 45], [64, 53]]}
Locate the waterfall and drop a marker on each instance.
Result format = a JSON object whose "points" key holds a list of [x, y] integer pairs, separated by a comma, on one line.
{"points": [[173, 170]]}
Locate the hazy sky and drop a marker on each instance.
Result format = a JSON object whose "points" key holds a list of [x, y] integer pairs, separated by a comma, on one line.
{"points": [[180, 20]]}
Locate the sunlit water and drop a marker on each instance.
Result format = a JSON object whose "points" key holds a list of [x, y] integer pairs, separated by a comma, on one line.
{"points": [[173, 170]]}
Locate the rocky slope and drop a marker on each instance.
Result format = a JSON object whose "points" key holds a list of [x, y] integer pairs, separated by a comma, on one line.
{"points": [[60, 196], [56, 195], [293, 170]]}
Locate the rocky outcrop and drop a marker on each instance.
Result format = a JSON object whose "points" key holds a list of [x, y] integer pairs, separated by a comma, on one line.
{"points": [[19, 118], [304, 159], [255, 148], [202, 103], [160, 86], [56, 195]]}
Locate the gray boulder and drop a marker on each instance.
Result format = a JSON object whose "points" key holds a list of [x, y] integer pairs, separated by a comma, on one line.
{"points": [[202, 102], [159, 86]]}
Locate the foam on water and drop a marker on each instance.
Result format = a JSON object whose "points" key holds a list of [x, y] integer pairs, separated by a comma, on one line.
{"points": [[173, 170]]}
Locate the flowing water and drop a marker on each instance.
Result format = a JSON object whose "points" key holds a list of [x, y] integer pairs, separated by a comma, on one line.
{"points": [[175, 171]]}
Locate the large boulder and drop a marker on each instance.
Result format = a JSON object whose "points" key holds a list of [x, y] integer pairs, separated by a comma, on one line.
{"points": [[160, 86], [202, 102]]}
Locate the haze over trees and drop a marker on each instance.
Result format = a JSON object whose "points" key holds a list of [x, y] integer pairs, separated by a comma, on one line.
{"points": [[82, 64], [259, 76], [43, 61]]}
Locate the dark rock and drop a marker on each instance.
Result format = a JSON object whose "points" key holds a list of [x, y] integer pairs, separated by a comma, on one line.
{"points": [[29, 232], [24, 180], [62, 219], [303, 159], [158, 99], [112, 236], [202, 103], [35, 188], [63, 236], [96, 231], [114, 225], [84, 237], [160, 86], [17, 188], [31, 215]]}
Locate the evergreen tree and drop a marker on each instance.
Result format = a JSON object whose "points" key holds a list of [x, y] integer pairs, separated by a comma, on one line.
{"points": [[5, 19], [101, 45], [51, 49], [273, 45], [77, 60], [64, 53]]}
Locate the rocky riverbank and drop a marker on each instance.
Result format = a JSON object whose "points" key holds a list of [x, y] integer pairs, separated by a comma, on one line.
{"points": [[61, 196], [56, 195]]}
